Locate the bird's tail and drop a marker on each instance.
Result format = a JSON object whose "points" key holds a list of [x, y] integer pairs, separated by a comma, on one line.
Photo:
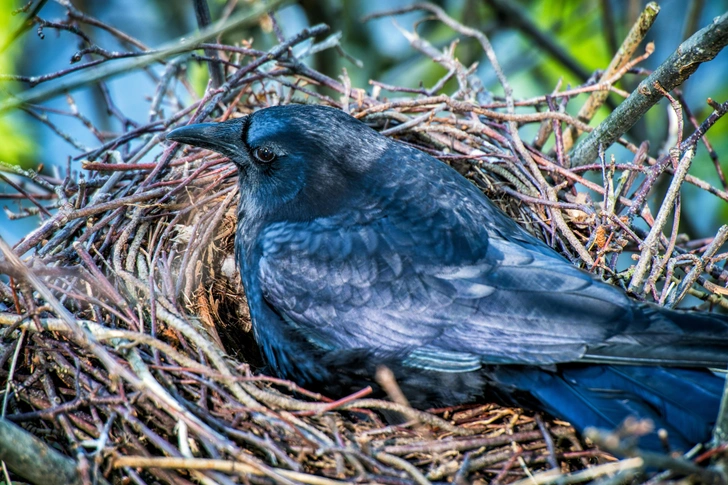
{"points": [[683, 402]]}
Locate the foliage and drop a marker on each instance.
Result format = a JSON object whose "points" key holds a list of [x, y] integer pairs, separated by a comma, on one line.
{"points": [[15, 144]]}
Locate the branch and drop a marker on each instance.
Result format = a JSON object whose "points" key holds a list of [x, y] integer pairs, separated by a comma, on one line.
{"points": [[515, 16], [202, 11], [24, 27], [33, 460], [170, 49], [650, 244], [703, 46], [619, 61]]}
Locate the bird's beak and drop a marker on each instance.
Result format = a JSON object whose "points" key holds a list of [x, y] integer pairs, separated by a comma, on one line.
{"points": [[224, 138]]}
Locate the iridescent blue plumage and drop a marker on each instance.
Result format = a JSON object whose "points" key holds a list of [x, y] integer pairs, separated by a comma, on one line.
{"points": [[357, 251]]}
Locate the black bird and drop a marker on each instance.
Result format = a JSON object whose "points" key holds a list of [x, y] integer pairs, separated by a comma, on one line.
{"points": [[357, 251]]}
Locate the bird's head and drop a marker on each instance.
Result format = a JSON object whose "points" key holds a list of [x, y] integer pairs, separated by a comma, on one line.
{"points": [[296, 161]]}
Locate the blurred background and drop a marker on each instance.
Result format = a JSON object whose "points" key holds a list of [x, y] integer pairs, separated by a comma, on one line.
{"points": [[538, 42]]}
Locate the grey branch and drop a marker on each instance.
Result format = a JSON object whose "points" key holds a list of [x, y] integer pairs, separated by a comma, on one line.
{"points": [[30, 458], [703, 46]]}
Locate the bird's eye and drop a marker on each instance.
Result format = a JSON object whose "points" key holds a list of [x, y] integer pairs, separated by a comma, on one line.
{"points": [[264, 155]]}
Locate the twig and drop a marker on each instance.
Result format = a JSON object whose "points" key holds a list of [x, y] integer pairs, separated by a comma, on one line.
{"points": [[649, 245], [519, 19], [612, 443], [631, 465], [621, 57], [23, 453], [235, 467], [702, 47], [191, 42], [202, 12]]}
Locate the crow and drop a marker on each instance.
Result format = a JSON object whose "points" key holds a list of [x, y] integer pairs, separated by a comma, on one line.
{"points": [[357, 251]]}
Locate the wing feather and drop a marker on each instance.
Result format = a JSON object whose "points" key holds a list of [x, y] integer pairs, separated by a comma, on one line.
{"points": [[462, 279]]}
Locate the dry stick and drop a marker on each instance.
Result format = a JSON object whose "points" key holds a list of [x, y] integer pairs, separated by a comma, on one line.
{"points": [[11, 371], [651, 242], [80, 336], [190, 419], [623, 55], [142, 380], [104, 333], [171, 72], [658, 268], [414, 122], [202, 242], [202, 11], [692, 276], [141, 369], [465, 107], [33, 460], [711, 151], [63, 217], [63, 421], [105, 285], [143, 431], [240, 21], [124, 167], [555, 476], [703, 46], [570, 93], [166, 313], [220, 465], [276, 53], [76, 14], [546, 189], [66, 214], [404, 465], [663, 164], [445, 59], [611, 443], [720, 431], [464, 444], [410, 413], [519, 19]]}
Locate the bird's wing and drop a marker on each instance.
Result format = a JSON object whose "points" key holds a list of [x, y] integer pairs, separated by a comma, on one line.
{"points": [[436, 271], [377, 287]]}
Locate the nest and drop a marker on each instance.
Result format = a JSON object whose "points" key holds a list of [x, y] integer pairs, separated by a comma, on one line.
{"points": [[127, 343]]}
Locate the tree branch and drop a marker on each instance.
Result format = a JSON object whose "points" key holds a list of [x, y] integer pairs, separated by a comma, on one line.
{"points": [[703, 46], [33, 460], [202, 12], [168, 50], [619, 61]]}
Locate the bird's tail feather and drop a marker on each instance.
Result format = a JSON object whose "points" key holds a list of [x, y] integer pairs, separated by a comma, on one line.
{"points": [[684, 402]]}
